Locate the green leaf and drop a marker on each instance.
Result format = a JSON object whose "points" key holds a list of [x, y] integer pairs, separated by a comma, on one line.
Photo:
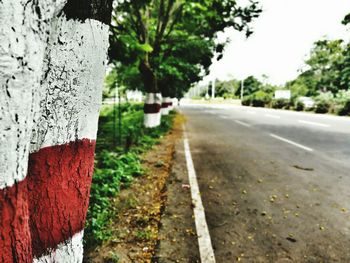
{"points": [[145, 47]]}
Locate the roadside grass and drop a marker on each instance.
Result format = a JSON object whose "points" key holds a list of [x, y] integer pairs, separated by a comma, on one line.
{"points": [[117, 162]]}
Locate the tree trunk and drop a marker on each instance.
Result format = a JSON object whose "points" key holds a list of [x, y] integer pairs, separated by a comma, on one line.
{"points": [[153, 100], [167, 103], [52, 57]]}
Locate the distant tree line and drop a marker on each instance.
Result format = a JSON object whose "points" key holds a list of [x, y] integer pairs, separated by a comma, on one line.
{"points": [[325, 78]]}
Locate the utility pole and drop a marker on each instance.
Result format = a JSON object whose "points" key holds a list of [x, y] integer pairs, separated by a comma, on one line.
{"points": [[242, 89]]}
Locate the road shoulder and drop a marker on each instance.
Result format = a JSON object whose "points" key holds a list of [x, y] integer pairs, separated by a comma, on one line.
{"points": [[177, 234]]}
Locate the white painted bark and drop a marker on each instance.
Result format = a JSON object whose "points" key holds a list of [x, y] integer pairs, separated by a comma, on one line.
{"points": [[69, 109], [172, 107], [71, 251], [24, 28], [165, 111], [75, 59], [152, 120], [51, 74], [158, 99]]}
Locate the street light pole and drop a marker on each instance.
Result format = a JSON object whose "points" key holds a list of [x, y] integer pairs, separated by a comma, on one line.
{"points": [[242, 89]]}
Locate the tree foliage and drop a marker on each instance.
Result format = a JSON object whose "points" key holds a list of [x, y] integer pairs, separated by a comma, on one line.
{"points": [[251, 85], [172, 42]]}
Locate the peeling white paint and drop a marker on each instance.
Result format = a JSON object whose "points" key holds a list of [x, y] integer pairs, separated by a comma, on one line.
{"points": [[76, 59], [71, 251], [23, 34], [71, 66]]}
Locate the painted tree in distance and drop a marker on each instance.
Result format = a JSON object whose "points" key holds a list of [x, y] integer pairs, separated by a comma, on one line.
{"points": [[150, 27]]}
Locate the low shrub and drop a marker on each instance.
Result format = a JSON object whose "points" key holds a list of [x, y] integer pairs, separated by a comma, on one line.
{"points": [[344, 110], [281, 104], [324, 102], [322, 107], [342, 103], [299, 106], [247, 101], [260, 99]]}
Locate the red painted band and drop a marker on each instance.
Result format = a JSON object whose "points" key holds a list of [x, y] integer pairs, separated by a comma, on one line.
{"points": [[166, 104], [152, 108], [49, 206], [59, 181], [15, 240]]}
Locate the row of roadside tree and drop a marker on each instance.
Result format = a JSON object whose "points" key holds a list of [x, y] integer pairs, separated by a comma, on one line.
{"points": [[163, 47], [325, 79]]}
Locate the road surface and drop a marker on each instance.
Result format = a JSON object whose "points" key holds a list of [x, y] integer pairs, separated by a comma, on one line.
{"points": [[275, 185]]}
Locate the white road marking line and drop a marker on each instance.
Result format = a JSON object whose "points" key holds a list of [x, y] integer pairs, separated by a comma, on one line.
{"points": [[243, 123], [315, 123], [251, 112], [272, 116], [291, 142], [204, 240]]}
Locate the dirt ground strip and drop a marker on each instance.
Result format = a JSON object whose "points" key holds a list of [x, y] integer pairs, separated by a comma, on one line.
{"points": [[177, 235], [140, 233]]}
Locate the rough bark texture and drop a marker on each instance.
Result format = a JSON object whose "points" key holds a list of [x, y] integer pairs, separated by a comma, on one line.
{"points": [[52, 63], [58, 174], [15, 240]]}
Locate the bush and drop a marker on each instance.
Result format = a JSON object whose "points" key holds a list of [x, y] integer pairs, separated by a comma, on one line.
{"points": [[322, 107], [281, 104], [345, 109], [260, 99], [342, 103], [324, 102], [247, 101], [299, 106]]}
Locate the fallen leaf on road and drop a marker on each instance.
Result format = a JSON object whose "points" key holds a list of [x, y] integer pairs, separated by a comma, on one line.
{"points": [[291, 239], [303, 168]]}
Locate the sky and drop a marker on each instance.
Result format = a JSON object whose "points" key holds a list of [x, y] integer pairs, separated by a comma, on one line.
{"points": [[283, 37]]}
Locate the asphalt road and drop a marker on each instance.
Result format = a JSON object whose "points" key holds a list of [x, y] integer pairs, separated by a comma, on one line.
{"points": [[275, 185]]}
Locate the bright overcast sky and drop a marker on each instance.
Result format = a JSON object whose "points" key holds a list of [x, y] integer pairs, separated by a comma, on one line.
{"points": [[283, 37]]}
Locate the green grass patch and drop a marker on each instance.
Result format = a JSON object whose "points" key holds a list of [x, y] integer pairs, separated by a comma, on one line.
{"points": [[118, 149]]}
